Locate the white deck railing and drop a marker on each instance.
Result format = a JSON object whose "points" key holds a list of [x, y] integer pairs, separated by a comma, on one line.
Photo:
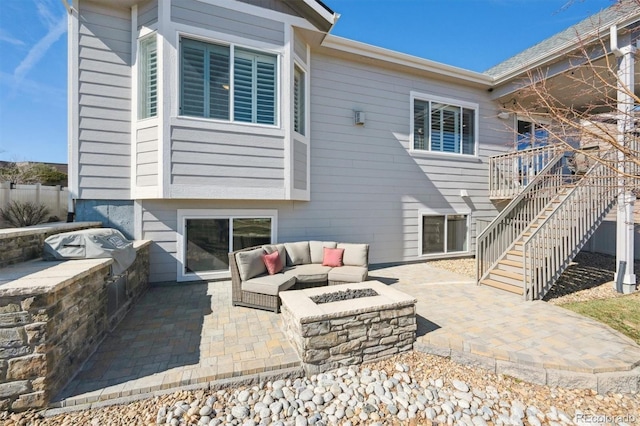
{"points": [[550, 248], [503, 231], [510, 173]]}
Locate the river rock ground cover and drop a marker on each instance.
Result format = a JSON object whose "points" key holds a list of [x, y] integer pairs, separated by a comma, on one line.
{"points": [[412, 389]]}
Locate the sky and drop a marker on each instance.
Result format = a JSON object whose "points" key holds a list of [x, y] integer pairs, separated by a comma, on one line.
{"points": [[471, 34]]}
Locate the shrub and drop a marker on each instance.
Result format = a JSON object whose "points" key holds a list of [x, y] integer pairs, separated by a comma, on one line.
{"points": [[19, 214]]}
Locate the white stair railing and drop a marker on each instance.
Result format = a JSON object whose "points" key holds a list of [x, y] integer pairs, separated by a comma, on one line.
{"points": [[510, 173], [502, 232], [551, 246]]}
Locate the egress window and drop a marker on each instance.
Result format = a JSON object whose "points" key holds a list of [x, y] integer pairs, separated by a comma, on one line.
{"points": [[442, 234], [207, 80], [441, 125]]}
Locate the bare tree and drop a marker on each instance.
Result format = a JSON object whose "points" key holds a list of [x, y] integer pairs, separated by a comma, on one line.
{"points": [[581, 110]]}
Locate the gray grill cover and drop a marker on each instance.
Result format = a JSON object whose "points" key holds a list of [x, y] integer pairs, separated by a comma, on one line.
{"points": [[95, 243]]}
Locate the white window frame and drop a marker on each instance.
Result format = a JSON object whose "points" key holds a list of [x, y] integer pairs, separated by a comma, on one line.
{"points": [[446, 214], [144, 37], [181, 250], [535, 123], [232, 48], [413, 96], [305, 95]]}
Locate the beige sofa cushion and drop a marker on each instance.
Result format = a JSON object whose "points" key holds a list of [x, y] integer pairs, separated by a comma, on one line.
{"points": [[349, 274], [297, 253], [268, 284], [250, 263], [355, 254], [309, 273], [316, 249]]}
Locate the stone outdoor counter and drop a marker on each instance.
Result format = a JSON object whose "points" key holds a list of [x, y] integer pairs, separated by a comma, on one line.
{"points": [[22, 244], [334, 334], [53, 314]]}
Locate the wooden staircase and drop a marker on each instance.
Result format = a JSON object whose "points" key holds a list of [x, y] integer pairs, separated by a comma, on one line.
{"points": [[533, 240]]}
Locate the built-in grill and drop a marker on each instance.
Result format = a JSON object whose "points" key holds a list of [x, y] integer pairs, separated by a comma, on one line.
{"points": [[97, 243]]}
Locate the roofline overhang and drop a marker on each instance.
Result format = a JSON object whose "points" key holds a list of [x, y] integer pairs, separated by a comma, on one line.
{"points": [[321, 9], [397, 58], [565, 48]]}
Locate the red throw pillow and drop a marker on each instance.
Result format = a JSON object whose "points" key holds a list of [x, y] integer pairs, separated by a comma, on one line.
{"points": [[273, 262], [332, 257]]}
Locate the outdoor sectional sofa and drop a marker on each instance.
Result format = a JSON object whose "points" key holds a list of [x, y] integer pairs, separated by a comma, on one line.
{"points": [[253, 286]]}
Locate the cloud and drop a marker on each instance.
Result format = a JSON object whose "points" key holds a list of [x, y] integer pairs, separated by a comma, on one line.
{"points": [[36, 91], [45, 13], [39, 49], [5, 37]]}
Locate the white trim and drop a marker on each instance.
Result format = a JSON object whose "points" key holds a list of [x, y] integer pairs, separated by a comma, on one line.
{"points": [[134, 101], [264, 13], [201, 123], [446, 213], [413, 95], [143, 31], [164, 105], [73, 119], [332, 19], [224, 192], [286, 109], [397, 58], [137, 219], [184, 214]]}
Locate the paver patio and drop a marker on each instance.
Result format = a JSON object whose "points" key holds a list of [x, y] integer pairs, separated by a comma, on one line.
{"points": [[189, 334]]}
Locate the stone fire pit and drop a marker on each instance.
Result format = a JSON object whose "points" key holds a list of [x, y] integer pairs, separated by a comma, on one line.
{"points": [[334, 334]]}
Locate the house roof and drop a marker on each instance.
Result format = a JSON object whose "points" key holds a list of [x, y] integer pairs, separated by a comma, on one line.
{"points": [[622, 13]]}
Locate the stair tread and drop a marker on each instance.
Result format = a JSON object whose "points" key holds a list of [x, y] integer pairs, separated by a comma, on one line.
{"points": [[502, 286], [507, 274], [508, 262], [515, 252]]}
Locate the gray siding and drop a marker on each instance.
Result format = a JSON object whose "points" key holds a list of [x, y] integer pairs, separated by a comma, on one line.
{"points": [[216, 18], [365, 185], [104, 101], [147, 156], [147, 13], [299, 165], [213, 158], [300, 47], [277, 5]]}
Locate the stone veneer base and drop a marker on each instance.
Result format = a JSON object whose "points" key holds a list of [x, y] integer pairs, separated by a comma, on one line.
{"points": [[348, 332], [52, 317]]}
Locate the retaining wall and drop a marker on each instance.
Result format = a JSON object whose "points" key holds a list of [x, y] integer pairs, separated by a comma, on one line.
{"points": [[52, 317]]}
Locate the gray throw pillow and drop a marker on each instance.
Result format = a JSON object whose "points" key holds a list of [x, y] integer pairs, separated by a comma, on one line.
{"points": [[298, 253]]}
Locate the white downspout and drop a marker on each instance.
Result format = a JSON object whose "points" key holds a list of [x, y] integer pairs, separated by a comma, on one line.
{"points": [[625, 278]]}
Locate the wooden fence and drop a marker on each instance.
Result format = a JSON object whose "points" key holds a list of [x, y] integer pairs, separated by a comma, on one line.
{"points": [[54, 197]]}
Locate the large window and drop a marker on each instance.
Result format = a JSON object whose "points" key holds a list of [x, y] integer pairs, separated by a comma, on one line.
{"points": [[207, 79], [298, 100], [147, 77], [207, 237], [442, 126], [531, 135], [442, 234]]}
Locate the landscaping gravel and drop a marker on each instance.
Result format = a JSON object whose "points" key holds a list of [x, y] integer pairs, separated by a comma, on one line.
{"points": [[589, 277], [412, 389]]}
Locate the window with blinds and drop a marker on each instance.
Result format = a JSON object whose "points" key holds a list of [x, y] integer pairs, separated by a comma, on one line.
{"points": [[298, 100], [206, 80], [147, 78], [442, 127]]}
